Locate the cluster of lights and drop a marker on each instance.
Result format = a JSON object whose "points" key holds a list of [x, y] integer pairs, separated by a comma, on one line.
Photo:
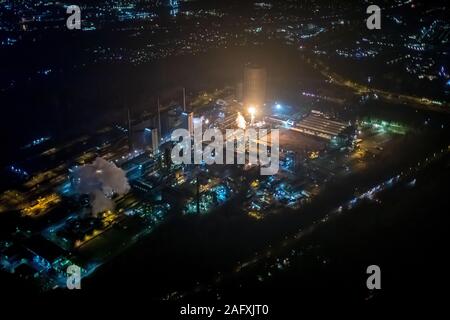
{"points": [[36, 142], [19, 171], [39, 141]]}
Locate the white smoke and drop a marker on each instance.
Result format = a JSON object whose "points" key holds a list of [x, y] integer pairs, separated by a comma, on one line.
{"points": [[100, 180], [240, 121]]}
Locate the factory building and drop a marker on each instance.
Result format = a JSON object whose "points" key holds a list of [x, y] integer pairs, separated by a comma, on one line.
{"points": [[145, 136], [316, 124], [44, 253], [12, 257], [150, 138], [175, 118]]}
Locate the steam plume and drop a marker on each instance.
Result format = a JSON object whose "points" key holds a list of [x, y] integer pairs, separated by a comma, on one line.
{"points": [[100, 180]]}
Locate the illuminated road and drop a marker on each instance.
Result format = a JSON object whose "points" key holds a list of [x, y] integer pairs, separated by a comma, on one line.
{"points": [[391, 97]]}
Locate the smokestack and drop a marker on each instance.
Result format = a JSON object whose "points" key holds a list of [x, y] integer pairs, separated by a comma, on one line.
{"points": [[130, 130], [155, 141], [159, 120], [184, 99], [190, 119]]}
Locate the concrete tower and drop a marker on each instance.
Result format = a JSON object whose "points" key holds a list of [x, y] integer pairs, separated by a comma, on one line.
{"points": [[255, 78]]}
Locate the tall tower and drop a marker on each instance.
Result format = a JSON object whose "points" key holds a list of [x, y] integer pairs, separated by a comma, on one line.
{"points": [[190, 125], [155, 141], [159, 119], [255, 78], [130, 131], [184, 99]]}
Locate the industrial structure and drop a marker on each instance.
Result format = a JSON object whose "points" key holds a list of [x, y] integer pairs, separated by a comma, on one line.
{"points": [[316, 124], [255, 83], [155, 187]]}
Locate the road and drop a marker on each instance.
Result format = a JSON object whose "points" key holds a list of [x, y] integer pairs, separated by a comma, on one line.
{"points": [[423, 103]]}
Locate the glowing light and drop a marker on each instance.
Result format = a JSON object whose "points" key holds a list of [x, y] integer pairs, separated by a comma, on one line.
{"points": [[41, 205], [240, 121], [252, 112]]}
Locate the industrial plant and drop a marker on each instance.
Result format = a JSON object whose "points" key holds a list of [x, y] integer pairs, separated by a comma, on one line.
{"points": [[216, 158]]}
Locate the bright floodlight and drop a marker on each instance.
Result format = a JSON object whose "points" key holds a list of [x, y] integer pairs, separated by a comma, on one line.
{"points": [[278, 106], [252, 111]]}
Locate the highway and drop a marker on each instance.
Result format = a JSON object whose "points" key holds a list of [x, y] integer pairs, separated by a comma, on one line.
{"points": [[423, 103]]}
